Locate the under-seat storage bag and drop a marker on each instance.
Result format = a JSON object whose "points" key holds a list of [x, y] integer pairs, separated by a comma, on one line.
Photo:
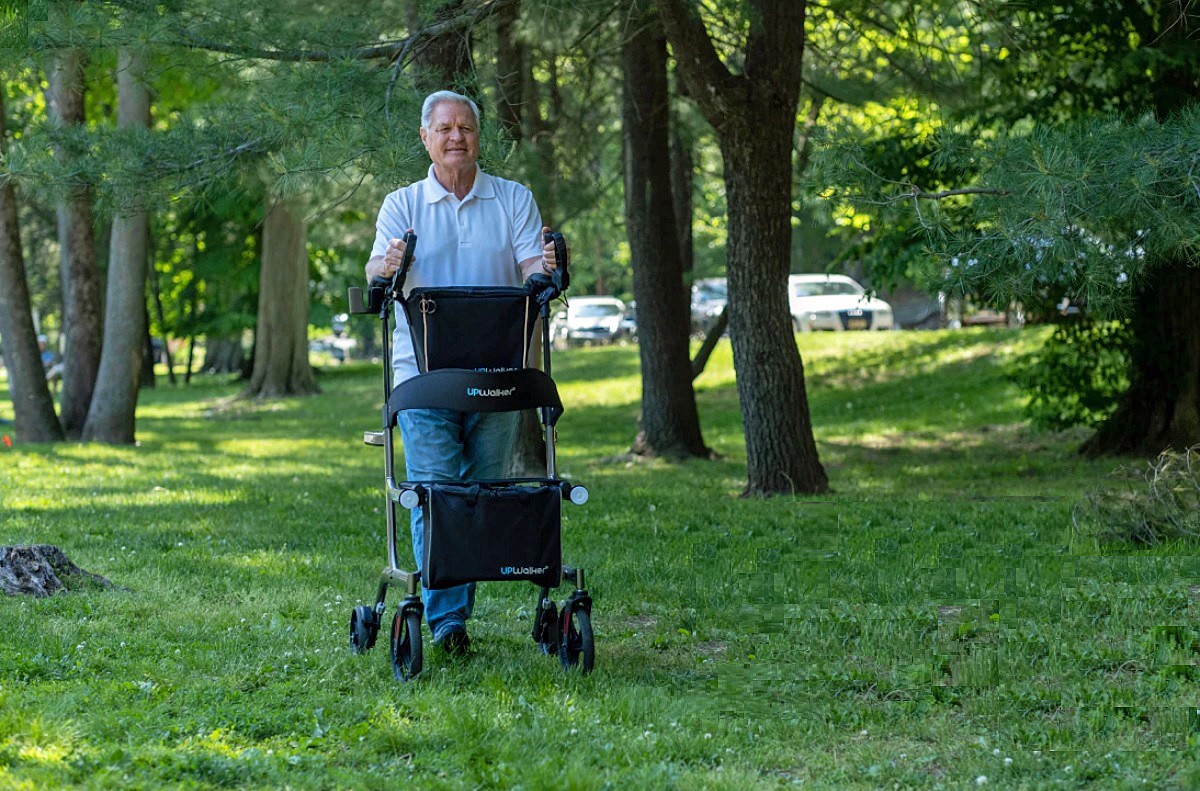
{"points": [[482, 532]]}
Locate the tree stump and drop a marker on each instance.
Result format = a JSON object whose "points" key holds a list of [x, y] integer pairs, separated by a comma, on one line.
{"points": [[42, 570]]}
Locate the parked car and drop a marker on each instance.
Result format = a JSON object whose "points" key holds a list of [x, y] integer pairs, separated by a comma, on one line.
{"points": [[709, 296], [588, 320], [835, 302], [629, 321]]}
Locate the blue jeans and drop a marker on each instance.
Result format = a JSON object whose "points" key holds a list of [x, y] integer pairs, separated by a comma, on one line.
{"points": [[444, 445]]}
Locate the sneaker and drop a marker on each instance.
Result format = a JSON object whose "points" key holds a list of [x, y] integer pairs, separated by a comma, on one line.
{"points": [[455, 641]]}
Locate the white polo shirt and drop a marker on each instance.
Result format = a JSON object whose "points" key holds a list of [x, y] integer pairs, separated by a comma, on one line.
{"points": [[478, 241]]}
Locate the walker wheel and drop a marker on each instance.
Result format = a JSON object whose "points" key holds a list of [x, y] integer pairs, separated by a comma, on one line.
{"points": [[576, 646], [364, 627], [545, 628], [407, 654]]}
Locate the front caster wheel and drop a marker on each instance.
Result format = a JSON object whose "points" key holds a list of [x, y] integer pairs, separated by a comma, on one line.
{"points": [[576, 646], [407, 653], [364, 628]]}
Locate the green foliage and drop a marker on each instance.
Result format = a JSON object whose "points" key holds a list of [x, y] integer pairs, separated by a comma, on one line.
{"points": [[924, 622], [1085, 209], [1080, 211], [1076, 58], [206, 259], [1076, 377], [1063, 141]]}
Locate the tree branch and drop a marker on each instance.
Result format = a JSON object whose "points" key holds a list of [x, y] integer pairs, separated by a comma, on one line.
{"points": [[390, 51], [233, 153], [919, 194], [708, 79]]}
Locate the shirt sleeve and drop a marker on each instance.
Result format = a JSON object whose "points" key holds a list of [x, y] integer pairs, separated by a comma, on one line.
{"points": [[391, 223], [527, 226]]}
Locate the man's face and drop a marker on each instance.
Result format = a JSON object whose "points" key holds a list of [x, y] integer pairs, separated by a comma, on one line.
{"points": [[452, 138]]}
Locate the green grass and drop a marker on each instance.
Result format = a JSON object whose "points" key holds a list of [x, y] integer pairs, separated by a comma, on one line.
{"points": [[929, 622]]}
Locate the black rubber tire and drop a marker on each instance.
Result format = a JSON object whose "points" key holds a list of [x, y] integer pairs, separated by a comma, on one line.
{"points": [[364, 628], [545, 629], [407, 650], [576, 644]]}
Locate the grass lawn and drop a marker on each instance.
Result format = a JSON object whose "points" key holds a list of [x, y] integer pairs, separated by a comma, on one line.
{"points": [[931, 622]]}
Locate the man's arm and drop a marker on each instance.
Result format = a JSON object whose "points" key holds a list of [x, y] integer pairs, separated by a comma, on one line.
{"points": [[374, 267]]}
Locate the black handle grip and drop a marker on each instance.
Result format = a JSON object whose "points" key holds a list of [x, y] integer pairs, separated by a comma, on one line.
{"points": [[396, 287], [561, 275]]}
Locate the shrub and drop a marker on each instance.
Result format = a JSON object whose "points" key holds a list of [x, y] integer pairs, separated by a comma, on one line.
{"points": [[1077, 376]]}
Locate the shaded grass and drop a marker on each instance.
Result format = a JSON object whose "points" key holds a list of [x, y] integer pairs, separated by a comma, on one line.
{"points": [[930, 618]]}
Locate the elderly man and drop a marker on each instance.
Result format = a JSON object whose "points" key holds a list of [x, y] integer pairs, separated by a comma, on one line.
{"points": [[475, 230]]}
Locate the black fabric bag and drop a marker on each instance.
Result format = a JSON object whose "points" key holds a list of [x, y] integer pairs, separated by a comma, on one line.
{"points": [[482, 532], [477, 328]]}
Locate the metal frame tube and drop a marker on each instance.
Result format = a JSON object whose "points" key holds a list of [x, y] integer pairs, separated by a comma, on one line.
{"points": [[389, 441], [551, 460]]}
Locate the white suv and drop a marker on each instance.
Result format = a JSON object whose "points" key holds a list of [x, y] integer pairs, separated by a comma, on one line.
{"points": [[835, 302]]}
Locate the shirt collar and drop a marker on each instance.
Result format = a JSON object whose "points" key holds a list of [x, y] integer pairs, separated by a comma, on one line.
{"points": [[482, 188]]}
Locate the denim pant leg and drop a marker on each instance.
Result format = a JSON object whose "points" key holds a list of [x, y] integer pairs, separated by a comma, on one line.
{"points": [[487, 445], [440, 445]]}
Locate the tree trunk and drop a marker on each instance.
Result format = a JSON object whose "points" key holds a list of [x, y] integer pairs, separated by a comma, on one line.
{"points": [[527, 457], [709, 344], [223, 348], [281, 365], [444, 61], [192, 299], [781, 452], [1161, 408], [82, 324], [510, 68], [224, 355], [670, 424], [156, 294], [681, 193], [754, 115], [517, 108], [146, 374], [33, 406], [111, 417], [191, 358]]}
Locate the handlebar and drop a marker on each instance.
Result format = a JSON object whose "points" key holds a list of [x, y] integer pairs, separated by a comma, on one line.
{"points": [[396, 287], [561, 275]]}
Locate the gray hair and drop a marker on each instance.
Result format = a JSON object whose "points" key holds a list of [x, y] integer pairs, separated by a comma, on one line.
{"points": [[435, 98]]}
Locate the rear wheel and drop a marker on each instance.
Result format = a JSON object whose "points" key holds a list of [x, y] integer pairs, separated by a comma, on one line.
{"points": [[407, 651], [364, 628]]}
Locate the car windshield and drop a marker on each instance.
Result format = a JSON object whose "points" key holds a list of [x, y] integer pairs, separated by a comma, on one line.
{"points": [[597, 311], [710, 292], [828, 288]]}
